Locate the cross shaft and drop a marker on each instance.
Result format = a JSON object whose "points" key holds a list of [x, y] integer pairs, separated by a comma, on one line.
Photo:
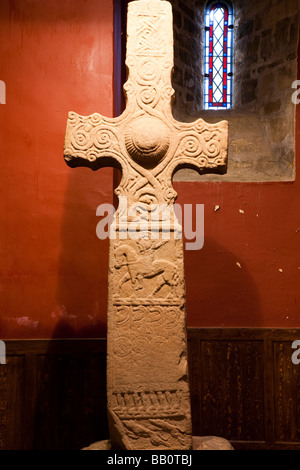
{"points": [[147, 374]]}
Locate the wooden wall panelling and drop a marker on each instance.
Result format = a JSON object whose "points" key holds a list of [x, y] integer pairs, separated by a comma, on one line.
{"points": [[12, 394], [232, 387], [56, 398], [244, 387], [286, 394], [248, 387]]}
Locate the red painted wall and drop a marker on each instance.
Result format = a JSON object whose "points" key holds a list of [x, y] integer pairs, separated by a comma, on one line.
{"points": [[56, 57], [248, 272]]}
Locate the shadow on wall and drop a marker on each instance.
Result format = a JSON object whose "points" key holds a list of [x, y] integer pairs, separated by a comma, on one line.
{"points": [[220, 290], [70, 409], [83, 266]]}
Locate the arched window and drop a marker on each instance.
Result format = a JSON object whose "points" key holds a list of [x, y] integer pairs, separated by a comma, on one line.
{"points": [[218, 60]]}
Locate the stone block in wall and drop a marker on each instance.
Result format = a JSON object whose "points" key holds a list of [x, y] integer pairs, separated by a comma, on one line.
{"points": [[249, 91], [245, 29], [252, 50], [185, 8], [285, 76], [279, 129], [267, 45], [267, 85], [281, 34], [272, 107]]}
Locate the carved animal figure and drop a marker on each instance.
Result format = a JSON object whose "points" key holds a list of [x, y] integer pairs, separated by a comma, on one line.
{"points": [[141, 267]]}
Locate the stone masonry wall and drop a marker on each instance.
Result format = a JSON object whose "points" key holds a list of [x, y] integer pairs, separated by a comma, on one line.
{"points": [[262, 121]]}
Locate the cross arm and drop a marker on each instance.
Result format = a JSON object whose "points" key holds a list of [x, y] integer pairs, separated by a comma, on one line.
{"points": [[201, 146], [92, 141]]}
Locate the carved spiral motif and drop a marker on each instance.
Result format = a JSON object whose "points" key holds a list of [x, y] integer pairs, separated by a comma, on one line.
{"points": [[81, 140], [156, 316], [129, 87], [148, 71], [167, 65], [147, 196], [140, 345], [172, 318], [204, 147], [158, 345], [170, 195], [212, 148], [139, 314], [203, 162], [167, 92], [95, 119], [191, 146], [148, 96], [73, 118], [219, 161], [122, 346], [200, 126], [122, 316], [103, 138], [91, 156]]}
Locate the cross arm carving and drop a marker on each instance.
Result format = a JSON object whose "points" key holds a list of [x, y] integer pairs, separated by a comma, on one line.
{"points": [[92, 141], [200, 146]]}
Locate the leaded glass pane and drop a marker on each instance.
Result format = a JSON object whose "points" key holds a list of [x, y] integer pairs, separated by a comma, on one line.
{"points": [[218, 56]]}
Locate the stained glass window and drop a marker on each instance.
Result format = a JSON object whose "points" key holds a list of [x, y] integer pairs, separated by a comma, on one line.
{"points": [[218, 63]]}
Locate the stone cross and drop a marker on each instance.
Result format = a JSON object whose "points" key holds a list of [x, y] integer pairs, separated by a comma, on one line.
{"points": [[147, 375]]}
